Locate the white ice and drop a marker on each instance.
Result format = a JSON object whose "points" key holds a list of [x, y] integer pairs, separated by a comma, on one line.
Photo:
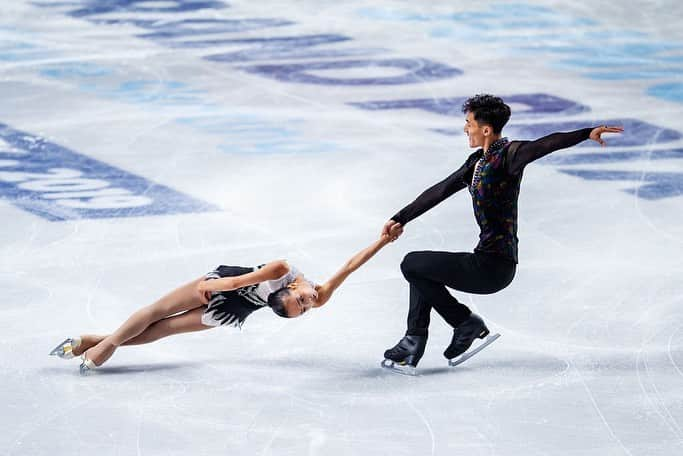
{"points": [[590, 361]]}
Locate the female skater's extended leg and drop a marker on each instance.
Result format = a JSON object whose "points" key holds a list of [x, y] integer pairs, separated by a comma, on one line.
{"points": [[177, 324], [185, 322], [182, 299]]}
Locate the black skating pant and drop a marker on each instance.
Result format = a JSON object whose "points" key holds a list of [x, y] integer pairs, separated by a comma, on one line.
{"points": [[429, 273]]}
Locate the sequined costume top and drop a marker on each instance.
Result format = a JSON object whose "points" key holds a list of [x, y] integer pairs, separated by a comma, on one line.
{"points": [[493, 179]]}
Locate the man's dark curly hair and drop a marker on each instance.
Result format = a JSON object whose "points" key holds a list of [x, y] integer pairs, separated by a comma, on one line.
{"points": [[488, 110]]}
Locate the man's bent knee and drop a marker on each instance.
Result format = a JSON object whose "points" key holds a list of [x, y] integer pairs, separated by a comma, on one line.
{"points": [[412, 264]]}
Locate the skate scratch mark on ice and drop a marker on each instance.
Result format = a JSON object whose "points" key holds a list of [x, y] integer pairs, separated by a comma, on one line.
{"points": [[671, 422], [138, 431], [348, 407], [89, 300], [313, 406], [488, 442], [252, 423], [572, 296], [12, 259], [589, 392], [532, 385], [668, 350], [40, 421], [656, 403], [139, 417], [317, 439], [425, 421], [643, 216], [600, 414], [274, 435]]}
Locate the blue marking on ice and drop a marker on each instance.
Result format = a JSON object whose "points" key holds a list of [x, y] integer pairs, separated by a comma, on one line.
{"points": [[671, 91], [21, 51], [71, 70], [59, 184], [610, 156], [508, 25], [634, 75], [654, 185]]}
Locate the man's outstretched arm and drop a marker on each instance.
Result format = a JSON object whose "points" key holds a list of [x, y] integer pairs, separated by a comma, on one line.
{"points": [[524, 152], [427, 200]]}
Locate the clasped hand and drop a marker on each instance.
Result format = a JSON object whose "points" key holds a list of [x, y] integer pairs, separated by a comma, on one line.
{"points": [[392, 229]]}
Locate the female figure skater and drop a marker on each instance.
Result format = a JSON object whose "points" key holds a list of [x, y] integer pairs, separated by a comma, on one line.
{"points": [[493, 175], [223, 297]]}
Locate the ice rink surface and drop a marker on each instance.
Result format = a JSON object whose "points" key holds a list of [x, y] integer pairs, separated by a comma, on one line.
{"points": [[142, 143]]}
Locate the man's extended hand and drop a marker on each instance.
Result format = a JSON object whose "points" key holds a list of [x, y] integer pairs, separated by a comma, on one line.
{"points": [[598, 131]]}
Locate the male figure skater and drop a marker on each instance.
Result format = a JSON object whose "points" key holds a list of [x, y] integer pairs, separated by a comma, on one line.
{"points": [[493, 175]]}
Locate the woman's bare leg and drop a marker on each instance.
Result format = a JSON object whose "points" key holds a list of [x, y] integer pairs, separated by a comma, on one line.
{"points": [[87, 341], [185, 322], [182, 299], [189, 321]]}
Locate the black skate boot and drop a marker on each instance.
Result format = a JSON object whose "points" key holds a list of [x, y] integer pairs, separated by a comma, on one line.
{"points": [[404, 356], [463, 335]]}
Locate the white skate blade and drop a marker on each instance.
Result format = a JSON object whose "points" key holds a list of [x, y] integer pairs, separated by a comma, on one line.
{"points": [[87, 365], [468, 354], [405, 369], [65, 349]]}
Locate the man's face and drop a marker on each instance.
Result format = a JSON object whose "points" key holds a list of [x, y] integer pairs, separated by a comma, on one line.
{"points": [[474, 131]]}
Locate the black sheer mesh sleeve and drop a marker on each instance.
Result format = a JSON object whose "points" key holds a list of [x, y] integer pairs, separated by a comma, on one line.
{"points": [[521, 153], [434, 194]]}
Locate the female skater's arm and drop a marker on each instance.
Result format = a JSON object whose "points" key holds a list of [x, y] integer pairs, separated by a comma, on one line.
{"points": [[271, 271], [325, 290], [524, 152]]}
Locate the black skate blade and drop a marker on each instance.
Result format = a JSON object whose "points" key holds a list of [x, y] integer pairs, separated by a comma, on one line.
{"points": [[404, 369], [468, 354]]}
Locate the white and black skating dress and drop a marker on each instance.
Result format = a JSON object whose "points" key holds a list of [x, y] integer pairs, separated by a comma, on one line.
{"points": [[231, 308]]}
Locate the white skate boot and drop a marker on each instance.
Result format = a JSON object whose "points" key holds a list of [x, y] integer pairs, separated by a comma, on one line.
{"points": [[87, 365]]}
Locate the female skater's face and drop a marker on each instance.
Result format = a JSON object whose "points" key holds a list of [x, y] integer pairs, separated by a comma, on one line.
{"points": [[475, 132], [301, 298]]}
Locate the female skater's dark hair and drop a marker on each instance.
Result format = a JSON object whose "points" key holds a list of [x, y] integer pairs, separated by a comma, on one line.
{"points": [[276, 301], [489, 110]]}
